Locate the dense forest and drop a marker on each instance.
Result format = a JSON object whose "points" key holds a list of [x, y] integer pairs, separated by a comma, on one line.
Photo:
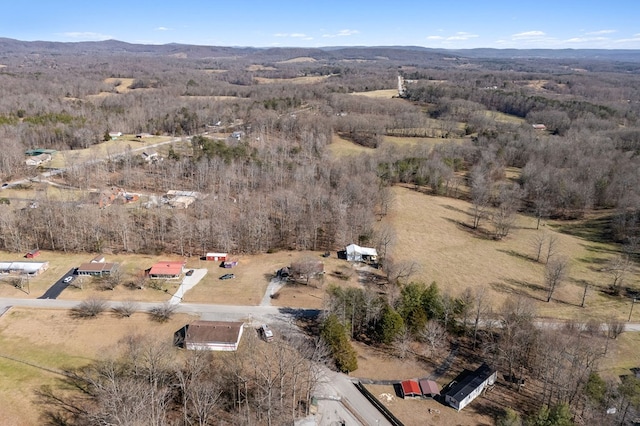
{"points": [[277, 187], [548, 137]]}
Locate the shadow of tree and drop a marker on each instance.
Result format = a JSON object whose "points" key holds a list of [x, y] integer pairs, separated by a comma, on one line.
{"points": [[480, 233], [518, 288], [598, 229], [456, 209], [518, 255]]}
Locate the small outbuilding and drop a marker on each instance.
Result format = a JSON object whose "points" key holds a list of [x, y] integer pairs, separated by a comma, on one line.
{"points": [[410, 389], [216, 257], [429, 388], [32, 253], [210, 335]]}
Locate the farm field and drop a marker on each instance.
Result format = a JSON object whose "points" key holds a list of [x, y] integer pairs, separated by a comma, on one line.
{"points": [[433, 231], [383, 93], [294, 80], [32, 342]]}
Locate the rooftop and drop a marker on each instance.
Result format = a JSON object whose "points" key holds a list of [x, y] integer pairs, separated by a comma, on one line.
{"points": [[213, 332]]}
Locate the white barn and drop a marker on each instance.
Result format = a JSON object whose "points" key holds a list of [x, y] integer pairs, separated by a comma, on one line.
{"points": [[355, 253], [23, 268]]}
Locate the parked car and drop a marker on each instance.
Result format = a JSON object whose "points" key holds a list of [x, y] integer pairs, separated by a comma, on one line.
{"points": [[68, 279], [265, 333], [189, 272], [4, 185], [227, 276]]}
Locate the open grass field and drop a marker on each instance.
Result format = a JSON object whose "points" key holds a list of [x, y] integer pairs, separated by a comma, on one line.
{"points": [[622, 355], [295, 80], [341, 147], [122, 85], [418, 141], [299, 59], [259, 67], [32, 342], [103, 150], [504, 118], [379, 94], [434, 232]]}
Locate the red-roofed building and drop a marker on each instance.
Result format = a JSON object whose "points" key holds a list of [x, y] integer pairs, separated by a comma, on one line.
{"points": [[429, 388], [411, 389], [167, 270]]}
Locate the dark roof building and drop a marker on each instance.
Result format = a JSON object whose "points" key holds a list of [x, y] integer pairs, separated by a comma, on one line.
{"points": [[210, 335], [96, 269], [470, 386]]}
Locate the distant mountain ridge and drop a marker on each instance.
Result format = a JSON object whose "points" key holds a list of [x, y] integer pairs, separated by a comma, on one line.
{"points": [[11, 47]]}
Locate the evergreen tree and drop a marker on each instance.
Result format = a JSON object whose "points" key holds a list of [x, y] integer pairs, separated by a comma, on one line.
{"points": [[335, 335], [389, 326]]}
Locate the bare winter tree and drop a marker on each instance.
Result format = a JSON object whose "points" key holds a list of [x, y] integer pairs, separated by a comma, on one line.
{"points": [[480, 195], [552, 247], [89, 308], [618, 267], [434, 334], [402, 343], [480, 308], [503, 216], [402, 271], [555, 272]]}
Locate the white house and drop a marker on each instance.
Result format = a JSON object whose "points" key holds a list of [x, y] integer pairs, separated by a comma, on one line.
{"points": [[210, 335], [149, 155], [355, 253], [37, 160], [470, 387]]}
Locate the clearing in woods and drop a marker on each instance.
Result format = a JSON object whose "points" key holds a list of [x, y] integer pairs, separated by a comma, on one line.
{"points": [[434, 232]]}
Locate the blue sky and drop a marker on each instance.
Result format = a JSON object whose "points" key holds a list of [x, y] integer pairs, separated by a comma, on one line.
{"points": [[454, 24]]}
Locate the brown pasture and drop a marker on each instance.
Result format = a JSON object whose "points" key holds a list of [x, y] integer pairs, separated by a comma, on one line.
{"points": [[383, 93], [35, 343], [435, 233]]}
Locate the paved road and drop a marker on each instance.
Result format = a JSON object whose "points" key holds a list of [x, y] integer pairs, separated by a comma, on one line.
{"points": [[339, 398], [188, 282], [58, 287], [274, 286]]}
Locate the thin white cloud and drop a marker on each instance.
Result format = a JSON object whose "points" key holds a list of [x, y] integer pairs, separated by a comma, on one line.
{"points": [[86, 36], [585, 39], [462, 36], [459, 36], [300, 36], [342, 33], [163, 29], [601, 32], [634, 39], [527, 35]]}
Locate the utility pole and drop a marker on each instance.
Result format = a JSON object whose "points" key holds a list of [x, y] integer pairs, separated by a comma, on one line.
{"points": [[633, 302]]}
